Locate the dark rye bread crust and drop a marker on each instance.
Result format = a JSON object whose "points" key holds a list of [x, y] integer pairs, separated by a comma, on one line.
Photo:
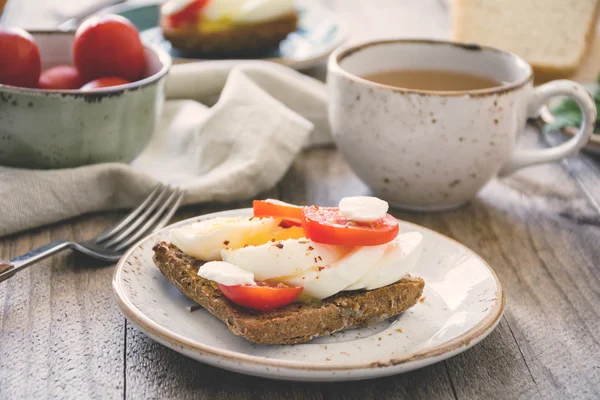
{"points": [[239, 40], [295, 323]]}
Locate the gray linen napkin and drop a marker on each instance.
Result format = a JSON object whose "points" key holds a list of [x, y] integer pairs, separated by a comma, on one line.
{"points": [[239, 147]]}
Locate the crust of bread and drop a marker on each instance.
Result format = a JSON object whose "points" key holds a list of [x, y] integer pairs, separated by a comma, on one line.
{"points": [[542, 72], [294, 323], [239, 40]]}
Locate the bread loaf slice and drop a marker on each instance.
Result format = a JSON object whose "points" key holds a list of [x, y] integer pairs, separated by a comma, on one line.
{"points": [[552, 35], [295, 323]]}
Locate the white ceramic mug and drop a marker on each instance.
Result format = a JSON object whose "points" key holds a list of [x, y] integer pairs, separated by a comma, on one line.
{"points": [[434, 150]]}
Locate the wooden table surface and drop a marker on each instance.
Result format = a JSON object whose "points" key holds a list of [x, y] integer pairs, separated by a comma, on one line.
{"points": [[61, 335]]}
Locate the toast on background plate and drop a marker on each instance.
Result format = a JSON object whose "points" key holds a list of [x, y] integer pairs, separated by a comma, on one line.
{"points": [[289, 274], [553, 35], [227, 27]]}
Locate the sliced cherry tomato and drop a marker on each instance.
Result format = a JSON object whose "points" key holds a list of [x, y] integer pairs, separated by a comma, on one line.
{"points": [[104, 82], [262, 297], [327, 225], [188, 13], [60, 77], [278, 209], [108, 45], [20, 63]]}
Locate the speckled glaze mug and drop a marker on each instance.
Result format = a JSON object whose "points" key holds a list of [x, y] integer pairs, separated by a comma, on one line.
{"points": [[434, 150]]}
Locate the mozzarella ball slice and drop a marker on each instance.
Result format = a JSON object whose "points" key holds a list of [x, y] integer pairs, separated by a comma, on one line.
{"points": [[363, 208], [226, 274]]}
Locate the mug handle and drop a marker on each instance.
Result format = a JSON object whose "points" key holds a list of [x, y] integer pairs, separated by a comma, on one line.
{"points": [[540, 96]]}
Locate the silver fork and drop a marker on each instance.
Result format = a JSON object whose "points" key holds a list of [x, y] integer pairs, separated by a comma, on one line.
{"points": [[109, 246]]}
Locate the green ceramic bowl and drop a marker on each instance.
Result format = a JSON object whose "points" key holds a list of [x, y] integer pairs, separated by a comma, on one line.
{"points": [[61, 129]]}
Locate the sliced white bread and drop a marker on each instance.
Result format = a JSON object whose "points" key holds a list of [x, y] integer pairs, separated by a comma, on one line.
{"points": [[552, 35]]}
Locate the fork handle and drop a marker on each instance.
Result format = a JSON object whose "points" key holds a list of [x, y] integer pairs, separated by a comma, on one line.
{"points": [[11, 267]]}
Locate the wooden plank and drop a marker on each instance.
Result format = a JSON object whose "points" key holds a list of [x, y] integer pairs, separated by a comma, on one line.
{"points": [[153, 371], [61, 334]]}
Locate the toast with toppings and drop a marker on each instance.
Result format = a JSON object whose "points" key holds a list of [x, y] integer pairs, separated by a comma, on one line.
{"points": [[238, 40], [221, 28], [293, 323]]}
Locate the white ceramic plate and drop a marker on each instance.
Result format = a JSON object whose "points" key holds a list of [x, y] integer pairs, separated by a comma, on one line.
{"points": [[319, 32], [463, 302]]}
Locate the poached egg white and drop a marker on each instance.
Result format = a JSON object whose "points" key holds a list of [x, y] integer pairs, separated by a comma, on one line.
{"points": [[204, 240]]}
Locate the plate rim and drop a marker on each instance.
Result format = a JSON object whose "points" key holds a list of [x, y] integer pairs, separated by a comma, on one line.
{"points": [[449, 348], [341, 37]]}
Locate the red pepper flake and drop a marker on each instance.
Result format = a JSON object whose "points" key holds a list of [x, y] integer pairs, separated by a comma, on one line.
{"points": [[251, 218], [316, 260], [310, 248], [320, 258], [279, 245], [226, 242], [320, 269]]}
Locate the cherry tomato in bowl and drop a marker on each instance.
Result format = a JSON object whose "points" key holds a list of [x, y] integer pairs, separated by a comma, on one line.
{"points": [[108, 45], [105, 82], [262, 297], [20, 63], [60, 77], [328, 226]]}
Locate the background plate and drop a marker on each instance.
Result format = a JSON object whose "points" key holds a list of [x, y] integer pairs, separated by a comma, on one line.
{"points": [[463, 302]]}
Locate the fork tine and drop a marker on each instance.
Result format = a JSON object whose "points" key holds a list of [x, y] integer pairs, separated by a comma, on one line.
{"points": [[153, 219], [139, 220], [165, 220], [128, 218]]}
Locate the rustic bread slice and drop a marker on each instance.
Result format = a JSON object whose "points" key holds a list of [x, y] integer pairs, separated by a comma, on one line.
{"points": [[239, 40], [552, 35], [295, 323]]}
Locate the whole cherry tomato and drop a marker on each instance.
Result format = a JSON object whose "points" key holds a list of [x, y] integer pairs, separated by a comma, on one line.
{"points": [[20, 63], [104, 82], [108, 45], [60, 77]]}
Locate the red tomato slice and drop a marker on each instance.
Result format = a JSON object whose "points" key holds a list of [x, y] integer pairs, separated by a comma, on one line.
{"points": [[104, 82], [262, 297], [327, 225], [188, 13], [277, 209]]}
